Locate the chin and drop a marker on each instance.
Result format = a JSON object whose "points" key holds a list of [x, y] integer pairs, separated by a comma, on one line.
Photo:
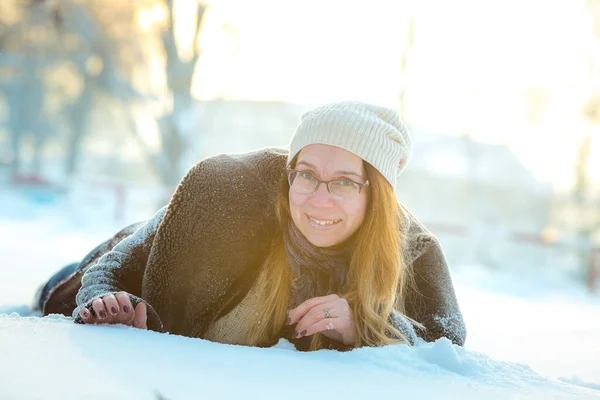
{"points": [[322, 241]]}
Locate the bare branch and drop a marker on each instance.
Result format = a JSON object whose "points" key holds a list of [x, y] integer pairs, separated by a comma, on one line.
{"points": [[171, 17], [200, 12], [168, 36]]}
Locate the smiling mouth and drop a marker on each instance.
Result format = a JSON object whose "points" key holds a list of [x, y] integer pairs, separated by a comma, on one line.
{"points": [[323, 222]]}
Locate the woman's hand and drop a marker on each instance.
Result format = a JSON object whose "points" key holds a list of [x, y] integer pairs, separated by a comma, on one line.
{"points": [[330, 315], [117, 309]]}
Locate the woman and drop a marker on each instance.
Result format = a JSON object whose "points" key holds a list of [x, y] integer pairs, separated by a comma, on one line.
{"points": [[309, 245]]}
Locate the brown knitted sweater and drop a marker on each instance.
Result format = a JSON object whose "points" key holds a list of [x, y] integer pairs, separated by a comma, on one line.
{"points": [[196, 263]]}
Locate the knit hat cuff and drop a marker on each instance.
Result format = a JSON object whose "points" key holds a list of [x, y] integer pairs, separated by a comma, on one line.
{"points": [[385, 145]]}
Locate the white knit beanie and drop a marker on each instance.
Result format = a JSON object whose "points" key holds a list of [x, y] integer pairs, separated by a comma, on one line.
{"points": [[375, 134]]}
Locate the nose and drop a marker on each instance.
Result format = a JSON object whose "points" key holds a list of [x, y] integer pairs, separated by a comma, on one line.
{"points": [[321, 197]]}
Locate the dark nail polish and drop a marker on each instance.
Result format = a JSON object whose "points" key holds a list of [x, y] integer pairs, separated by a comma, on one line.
{"points": [[289, 320], [303, 333], [126, 309], [102, 314], [113, 310]]}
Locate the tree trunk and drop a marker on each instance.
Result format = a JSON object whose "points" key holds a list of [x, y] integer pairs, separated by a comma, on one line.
{"points": [[79, 116], [180, 74]]}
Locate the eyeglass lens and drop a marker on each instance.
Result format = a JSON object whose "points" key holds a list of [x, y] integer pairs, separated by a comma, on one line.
{"points": [[306, 183]]}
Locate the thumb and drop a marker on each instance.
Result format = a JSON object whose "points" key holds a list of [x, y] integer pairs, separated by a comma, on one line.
{"points": [[140, 316]]}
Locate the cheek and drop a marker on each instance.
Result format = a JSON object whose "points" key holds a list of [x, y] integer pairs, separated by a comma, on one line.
{"points": [[356, 212], [296, 200], [296, 204]]}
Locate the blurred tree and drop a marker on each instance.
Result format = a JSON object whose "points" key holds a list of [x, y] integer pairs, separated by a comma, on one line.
{"points": [[20, 85], [179, 74], [79, 45], [106, 56], [66, 60], [582, 190], [587, 214]]}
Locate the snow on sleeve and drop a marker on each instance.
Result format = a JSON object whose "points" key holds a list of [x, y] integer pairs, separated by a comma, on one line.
{"points": [[453, 324]]}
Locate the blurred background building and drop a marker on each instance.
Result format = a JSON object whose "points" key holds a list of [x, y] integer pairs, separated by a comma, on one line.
{"points": [[105, 104]]}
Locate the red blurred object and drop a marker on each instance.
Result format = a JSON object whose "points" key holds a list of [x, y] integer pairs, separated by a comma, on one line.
{"points": [[34, 180]]}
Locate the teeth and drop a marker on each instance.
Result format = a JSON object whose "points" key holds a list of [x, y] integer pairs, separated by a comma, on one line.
{"points": [[324, 223]]}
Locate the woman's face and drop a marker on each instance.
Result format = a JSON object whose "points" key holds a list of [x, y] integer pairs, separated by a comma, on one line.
{"points": [[322, 219]]}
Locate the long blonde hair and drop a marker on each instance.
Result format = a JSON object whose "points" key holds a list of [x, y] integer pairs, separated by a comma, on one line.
{"points": [[377, 274]]}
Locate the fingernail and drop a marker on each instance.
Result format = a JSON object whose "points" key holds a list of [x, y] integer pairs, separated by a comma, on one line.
{"points": [[102, 314], [126, 309], [113, 310], [303, 332], [289, 320]]}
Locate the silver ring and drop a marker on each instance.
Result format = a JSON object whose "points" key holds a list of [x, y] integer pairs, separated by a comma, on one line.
{"points": [[327, 313], [329, 326]]}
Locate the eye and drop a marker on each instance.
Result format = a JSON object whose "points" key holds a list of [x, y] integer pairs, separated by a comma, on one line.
{"points": [[346, 182], [306, 175]]}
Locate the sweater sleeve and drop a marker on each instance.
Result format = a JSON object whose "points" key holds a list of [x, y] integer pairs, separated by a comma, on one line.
{"points": [[431, 300], [122, 269], [403, 326]]}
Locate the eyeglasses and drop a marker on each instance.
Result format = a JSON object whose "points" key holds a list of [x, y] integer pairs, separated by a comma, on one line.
{"points": [[303, 182]]}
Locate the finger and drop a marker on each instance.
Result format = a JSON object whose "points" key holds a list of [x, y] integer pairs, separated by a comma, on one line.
{"points": [[86, 316], [317, 313], [302, 309], [99, 309], [340, 325], [111, 304], [140, 316], [124, 302]]}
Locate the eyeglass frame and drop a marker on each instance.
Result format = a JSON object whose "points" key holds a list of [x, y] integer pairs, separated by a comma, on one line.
{"points": [[361, 186]]}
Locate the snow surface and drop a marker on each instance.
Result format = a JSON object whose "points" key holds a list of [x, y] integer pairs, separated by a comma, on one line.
{"points": [[529, 337]]}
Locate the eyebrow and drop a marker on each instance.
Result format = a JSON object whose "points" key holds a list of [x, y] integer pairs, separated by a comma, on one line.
{"points": [[341, 172]]}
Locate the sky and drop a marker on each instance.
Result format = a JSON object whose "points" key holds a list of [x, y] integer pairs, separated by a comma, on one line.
{"points": [[476, 67]]}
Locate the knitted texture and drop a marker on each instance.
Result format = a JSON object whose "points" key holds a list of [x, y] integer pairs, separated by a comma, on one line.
{"points": [[374, 133], [233, 327]]}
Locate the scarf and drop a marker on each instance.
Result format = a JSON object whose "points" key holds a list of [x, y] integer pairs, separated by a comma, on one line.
{"points": [[317, 271]]}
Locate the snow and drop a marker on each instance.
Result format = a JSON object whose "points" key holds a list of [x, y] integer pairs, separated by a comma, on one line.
{"points": [[529, 337], [547, 322], [121, 362]]}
